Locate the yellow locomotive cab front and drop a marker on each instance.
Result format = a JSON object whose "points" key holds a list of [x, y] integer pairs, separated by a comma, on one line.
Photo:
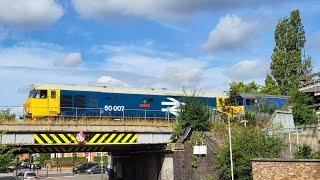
{"points": [[233, 111], [42, 103]]}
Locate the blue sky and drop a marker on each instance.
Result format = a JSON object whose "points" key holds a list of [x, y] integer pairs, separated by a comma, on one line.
{"points": [[202, 44]]}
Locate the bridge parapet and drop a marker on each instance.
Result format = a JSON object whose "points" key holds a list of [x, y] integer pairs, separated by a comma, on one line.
{"points": [[84, 128]]}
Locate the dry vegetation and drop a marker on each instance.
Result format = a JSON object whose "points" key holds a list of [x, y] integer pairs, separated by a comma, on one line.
{"points": [[93, 121]]}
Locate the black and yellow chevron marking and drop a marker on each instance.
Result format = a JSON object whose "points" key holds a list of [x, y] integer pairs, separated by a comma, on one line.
{"points": [[62, 149], [55, 138], [112, 138], [92, 138]]}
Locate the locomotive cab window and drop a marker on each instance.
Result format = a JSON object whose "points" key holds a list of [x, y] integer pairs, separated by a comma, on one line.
{"points": [[43, 94], [38, 94], [53, 94], [33, 93]]}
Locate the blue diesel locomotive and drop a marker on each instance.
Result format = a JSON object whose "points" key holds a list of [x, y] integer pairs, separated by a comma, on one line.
{"points": [[101, 101]]}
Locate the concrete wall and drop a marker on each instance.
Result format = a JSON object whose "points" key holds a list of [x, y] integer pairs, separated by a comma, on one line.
{"points": [[306, 135], [285, 169]]}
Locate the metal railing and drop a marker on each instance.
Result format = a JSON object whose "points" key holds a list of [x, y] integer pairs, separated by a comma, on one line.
{"points": [[77, 112]]}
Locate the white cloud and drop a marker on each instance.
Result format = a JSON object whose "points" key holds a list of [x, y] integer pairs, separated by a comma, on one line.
{"points": [[231, 32], [145, 49], [164, 9], [30, 13], [184, 77], [173, 71], [30, 55], [110, 81], [248, 70], [72, 59]]}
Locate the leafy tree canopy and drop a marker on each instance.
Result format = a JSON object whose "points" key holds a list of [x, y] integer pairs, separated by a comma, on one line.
{"points": [[242, 88], [288, 62]]}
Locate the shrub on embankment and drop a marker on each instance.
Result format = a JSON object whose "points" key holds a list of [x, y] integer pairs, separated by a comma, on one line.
{"points": [[247, 144], [194, 113]]}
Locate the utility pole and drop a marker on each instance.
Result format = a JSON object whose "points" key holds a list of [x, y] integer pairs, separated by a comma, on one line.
{"points": [[230, 144], [101, 165], [230, 147]]}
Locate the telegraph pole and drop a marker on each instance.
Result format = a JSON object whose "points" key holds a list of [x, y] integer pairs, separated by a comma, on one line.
{"points": [[101, 165], [230, 143], [230, 147]]}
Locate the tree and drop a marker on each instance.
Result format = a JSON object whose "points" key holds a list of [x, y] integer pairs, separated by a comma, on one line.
{"points": [[247, 144], [241, 87], [301, 113], [287, 64], [6, 157], [6, 153], [270, 86], [43, 157], [194, 113], [6, 114]]}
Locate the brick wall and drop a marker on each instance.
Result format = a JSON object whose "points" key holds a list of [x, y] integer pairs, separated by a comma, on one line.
{"points": [[285, 169], [182, 162]]}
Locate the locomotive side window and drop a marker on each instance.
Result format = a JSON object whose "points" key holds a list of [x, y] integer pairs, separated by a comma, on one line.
{"points": [[250, 102], [33, 94], [53, 94]]}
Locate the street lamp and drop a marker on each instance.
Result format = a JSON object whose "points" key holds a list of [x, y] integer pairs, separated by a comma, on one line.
{"points": [[230, 145]]}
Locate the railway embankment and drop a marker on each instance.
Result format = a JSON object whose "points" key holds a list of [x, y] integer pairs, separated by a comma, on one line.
{"points": [[187, 165]]}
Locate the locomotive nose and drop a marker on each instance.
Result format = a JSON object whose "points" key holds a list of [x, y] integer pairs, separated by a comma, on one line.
{"points": [[26, 107]]}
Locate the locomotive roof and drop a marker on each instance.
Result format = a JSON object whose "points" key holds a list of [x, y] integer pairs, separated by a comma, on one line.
{"points": [[123, 90], [253, 96]]}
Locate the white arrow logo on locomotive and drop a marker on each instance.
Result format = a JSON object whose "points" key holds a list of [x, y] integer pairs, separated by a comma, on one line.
{"points": [[175, 106]]}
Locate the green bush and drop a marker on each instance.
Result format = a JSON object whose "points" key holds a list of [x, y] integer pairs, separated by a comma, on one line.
{"points": [[7, 157], [194, 113], [68, 160], [97, 159], [304, 152], [43, 157], [249, 116], [6, 114], [301, 113], [247, 144]]}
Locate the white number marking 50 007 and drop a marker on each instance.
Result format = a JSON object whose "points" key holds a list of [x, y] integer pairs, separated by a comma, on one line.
{"points": [[113, 108]]}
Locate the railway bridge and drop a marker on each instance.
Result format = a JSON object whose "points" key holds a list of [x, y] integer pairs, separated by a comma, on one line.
{"points": [[84, 138], [137, 152]]}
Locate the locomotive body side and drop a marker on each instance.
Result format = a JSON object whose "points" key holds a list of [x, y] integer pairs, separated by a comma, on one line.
{"points": [[101, 104], [77, 101]]}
